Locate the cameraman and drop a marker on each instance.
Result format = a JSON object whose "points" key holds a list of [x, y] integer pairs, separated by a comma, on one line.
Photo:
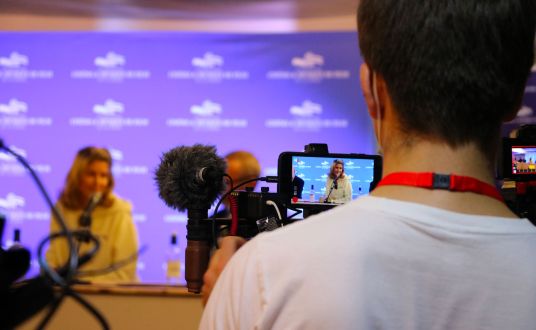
{"points": [[439, 79]]}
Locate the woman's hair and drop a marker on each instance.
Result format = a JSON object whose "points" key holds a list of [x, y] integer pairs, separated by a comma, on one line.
{"points": [[71, 196], [332, 169]]}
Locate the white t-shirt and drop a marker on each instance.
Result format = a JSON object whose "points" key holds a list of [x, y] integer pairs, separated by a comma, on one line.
{"points": [[377, 263]]}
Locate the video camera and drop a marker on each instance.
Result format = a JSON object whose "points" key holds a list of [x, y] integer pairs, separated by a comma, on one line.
{"points": [[517, 167], [254, 212]]}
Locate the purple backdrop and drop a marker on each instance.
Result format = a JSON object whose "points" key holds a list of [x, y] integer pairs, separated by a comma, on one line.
{"points": [[141, 94]]}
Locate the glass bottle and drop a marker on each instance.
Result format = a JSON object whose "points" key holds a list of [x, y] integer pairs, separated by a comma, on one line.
{"points": [[173, 261]]}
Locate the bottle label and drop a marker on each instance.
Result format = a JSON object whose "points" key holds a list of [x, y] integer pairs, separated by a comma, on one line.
{"points": [[173, 268]]}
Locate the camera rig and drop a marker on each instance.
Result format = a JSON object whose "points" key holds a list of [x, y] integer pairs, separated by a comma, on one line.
{"points": [[258, 211]]}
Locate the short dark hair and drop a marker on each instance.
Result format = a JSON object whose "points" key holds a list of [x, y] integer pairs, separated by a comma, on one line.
{"points": [[453, 68]]}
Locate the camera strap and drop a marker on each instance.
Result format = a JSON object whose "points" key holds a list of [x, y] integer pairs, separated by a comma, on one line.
{"points": [[451, 182]]}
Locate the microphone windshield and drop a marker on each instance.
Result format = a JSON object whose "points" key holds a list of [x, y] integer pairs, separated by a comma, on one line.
{"points": [[190, 177]]}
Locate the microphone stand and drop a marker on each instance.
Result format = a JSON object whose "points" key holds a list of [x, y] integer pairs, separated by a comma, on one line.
{"points": [[330, 190]]}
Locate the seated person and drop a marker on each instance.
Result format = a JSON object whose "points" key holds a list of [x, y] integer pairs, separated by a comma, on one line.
{"points": [[338, 186], [241, 166], [297, 185], [111, 220]]}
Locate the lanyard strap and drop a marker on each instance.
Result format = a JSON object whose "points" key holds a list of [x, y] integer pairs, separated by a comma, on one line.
{"points": [[450, 182]]}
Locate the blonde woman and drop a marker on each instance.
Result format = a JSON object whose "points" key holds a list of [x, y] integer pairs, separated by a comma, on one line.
{"points": [[110, 221], [338, 186]]}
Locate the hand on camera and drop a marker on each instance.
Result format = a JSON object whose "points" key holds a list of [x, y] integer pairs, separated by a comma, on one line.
{"points": [[228, 247]]}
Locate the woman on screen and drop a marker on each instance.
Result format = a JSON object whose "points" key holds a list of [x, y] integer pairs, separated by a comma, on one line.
{"points": [[338, 186], [87, 202]]}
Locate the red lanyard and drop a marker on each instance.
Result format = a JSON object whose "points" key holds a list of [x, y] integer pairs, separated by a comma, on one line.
{"points": [[450, 182]]}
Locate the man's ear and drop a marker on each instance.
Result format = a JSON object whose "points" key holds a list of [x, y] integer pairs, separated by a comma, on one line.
{"points": [[365, 77]]}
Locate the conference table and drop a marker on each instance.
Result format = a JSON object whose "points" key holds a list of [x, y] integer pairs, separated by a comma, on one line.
{"points": [[127, 306]]}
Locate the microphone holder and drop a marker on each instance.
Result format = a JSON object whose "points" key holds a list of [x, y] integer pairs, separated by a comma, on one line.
{"points": [[329, 194], [197, 248]]}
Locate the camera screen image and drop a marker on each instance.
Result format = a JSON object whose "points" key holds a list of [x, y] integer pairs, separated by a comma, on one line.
{"points": [[314, 171], [523, 160]]}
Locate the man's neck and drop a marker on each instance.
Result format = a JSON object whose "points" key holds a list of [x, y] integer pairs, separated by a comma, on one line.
{"points": [[427, 156], [440, 158]]}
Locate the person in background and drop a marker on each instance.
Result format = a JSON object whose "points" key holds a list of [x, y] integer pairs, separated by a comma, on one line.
{"points": [[433, 246], [338, 186], [241, 166], [90, 178], [297, 185]]}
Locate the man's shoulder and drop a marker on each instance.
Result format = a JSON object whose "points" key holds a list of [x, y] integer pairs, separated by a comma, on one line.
{"points": [[341, 221]]}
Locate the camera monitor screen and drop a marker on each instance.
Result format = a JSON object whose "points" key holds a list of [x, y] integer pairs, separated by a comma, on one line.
{"points": [[523, 160], [333, 178]]}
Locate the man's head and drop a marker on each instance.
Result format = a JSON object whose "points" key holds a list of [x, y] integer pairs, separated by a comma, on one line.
{"points": [[453, 69], [243, 166]]}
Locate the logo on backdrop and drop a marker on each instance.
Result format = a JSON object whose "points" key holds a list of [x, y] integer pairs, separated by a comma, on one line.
{"points": [[308, 60], [307, 109], [109, 61], [109, 115], [14, 61], [206, 109], [119, 168], [110, 68], [12, 202], [13, 115], [14, 107], [208, 68], [308, 68], [207, 116], [13, 205], [208, 61], [109, 108], [306, 117], [15, 68], [10, 166]]}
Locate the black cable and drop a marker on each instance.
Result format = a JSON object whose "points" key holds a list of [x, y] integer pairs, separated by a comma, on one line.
{"points": [[51, 311], [214, 237], [90, 308], [115, 265], [83, 259], [73, 257], [213, 217]]}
